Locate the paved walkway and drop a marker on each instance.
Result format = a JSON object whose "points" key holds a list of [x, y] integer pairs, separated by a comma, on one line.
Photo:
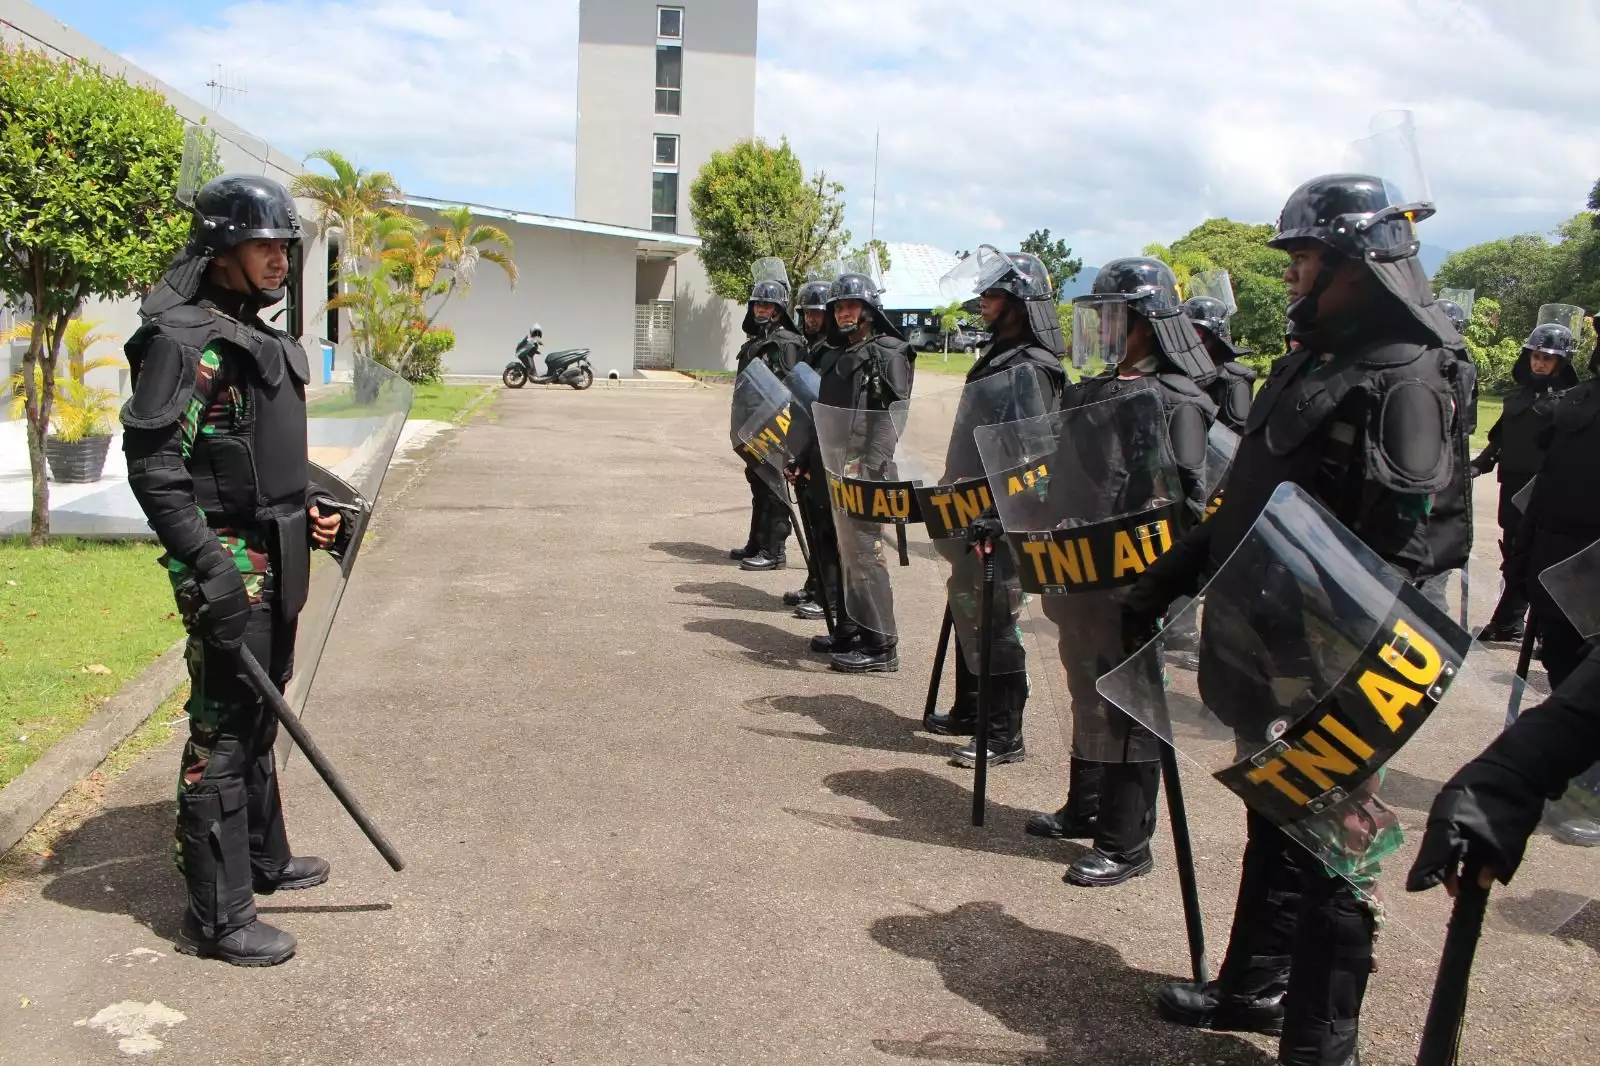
{"points": [[645, 827]]}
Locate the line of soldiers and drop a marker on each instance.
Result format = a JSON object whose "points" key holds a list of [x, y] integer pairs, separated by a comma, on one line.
{"points": [[1368, 416]]}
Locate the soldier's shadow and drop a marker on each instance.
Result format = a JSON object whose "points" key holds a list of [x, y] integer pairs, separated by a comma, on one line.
{"points": [[1071, 1000], [763, 645], [120, 862], [930, 809], [851, 721], [693, 552], [730, 595]]}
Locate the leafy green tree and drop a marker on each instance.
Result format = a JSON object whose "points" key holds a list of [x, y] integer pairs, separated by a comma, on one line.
{"points": [[88, 168], [754, 200], [1256, 272], [1493, 353], [1056, 257], [1518, 273], [873, 247]]}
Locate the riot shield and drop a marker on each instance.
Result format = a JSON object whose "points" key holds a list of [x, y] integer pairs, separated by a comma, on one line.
{"points": [[1574, 585], [352, 432], [1222, 444], [1320, 700], [940, 451], [1089, 497], [769, 429], [873, 503]]}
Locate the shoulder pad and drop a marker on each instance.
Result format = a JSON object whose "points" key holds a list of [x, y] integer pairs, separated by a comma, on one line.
{"points": [[163, 379], [1239, 370], [1408, 446], [1179, 384], [1187, 425], [1180, 391]]}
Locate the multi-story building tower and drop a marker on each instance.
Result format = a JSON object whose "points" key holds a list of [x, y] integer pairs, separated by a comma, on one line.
{"points": [[660, 87]]}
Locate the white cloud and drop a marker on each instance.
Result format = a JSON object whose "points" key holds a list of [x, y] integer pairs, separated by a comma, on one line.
{"points": [[1112, 124]]}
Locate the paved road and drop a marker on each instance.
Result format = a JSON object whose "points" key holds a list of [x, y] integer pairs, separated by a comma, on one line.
{"points": [[645, 827]]}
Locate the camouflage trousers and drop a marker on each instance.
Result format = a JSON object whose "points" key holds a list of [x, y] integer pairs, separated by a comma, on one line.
{"points": [[230, 745]]}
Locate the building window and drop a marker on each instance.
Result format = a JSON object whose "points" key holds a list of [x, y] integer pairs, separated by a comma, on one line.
{"points": [[669, 79], [669, 23], [666, 150], [664, 201]]}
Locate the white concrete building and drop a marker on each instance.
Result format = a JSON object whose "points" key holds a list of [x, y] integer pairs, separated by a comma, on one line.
{"points": [[660, 88]]}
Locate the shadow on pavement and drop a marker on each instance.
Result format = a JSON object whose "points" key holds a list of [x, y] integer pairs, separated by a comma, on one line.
{"points": [[731, 595], [120, 862], [694, 552], [852, 721], [1070, 1000], [763, 645], [930, 809]]}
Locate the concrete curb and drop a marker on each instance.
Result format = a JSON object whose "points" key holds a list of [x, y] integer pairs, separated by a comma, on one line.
{"points": [[30, 796]]}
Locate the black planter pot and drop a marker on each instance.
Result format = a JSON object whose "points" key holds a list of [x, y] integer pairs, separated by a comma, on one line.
{"points": [[76, 462]]}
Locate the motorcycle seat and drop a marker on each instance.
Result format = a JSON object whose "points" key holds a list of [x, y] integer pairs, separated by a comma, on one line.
{"points": [[571, 355]]}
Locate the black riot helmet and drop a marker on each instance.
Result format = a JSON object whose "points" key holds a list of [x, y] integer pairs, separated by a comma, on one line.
{"points": [[813, 295], [1148, 288], [1355, 216], [236, 208], [768, 292], [1454, 312], [854, 285], [1552, 339], [1210, 315]]}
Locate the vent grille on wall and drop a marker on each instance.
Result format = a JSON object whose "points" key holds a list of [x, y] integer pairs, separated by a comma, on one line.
{"points": [[652, 336]]}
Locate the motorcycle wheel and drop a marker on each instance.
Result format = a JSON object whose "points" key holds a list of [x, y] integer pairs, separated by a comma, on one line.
{"points": [[585, 379], [515, 377]]}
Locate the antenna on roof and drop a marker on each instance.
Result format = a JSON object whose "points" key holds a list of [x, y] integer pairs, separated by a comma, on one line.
{"points": [[220, 87]]}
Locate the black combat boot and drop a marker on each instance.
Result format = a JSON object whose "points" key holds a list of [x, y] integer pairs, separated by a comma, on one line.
{"points": [[765, 560], [806, 593], [302, 871], [1080, 817], [844, 638], [962, 718], [256, 944], [1008, 693], [1122, 837], [872, 656], [1254, 1006], [811, 611]]}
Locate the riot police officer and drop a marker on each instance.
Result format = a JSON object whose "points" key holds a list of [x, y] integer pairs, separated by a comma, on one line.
{"points": [[774, 340], [1115, 770], [1517, 447], [1209, 308], [811, 305], [866, 366], [1358, 414], [215, 437], [1450, 524], [1017, 302]]}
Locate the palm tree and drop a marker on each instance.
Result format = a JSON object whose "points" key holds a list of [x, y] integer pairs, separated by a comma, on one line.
{"points": [[352, 199], [463, 240]]}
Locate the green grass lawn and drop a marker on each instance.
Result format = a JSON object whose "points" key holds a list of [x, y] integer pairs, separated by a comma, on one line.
{"points": [[1488, 415], [77, 619], [437, 402], [450, 403]]}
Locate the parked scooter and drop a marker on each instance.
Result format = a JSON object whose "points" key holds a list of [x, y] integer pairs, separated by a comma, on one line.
{"points": [[570, 367]]}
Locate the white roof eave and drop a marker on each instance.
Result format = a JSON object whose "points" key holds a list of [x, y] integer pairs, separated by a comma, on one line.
{"points": [[648, 240]]}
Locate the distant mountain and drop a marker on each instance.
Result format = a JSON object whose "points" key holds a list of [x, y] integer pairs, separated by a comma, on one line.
{"points": [[1080, 284], [1433, 257]]}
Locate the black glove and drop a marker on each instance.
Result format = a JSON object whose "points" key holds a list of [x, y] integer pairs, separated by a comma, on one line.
{"points": [[1481, 466], [985, 529], [1457, 829], [214, 603]]}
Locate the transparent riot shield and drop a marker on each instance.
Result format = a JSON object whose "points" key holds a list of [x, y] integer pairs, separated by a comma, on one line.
{"points": [[1222, 444], [873, 504], [1330, 696], [1574, 585], [352, 432], [939, 452], [769, 429], [1089, 498]]}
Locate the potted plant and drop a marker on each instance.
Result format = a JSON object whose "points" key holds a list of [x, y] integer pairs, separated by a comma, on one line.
{"points": [[83, 417]]}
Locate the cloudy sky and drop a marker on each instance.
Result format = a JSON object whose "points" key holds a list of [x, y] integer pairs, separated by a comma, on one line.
{"points": [[1111, 124]]}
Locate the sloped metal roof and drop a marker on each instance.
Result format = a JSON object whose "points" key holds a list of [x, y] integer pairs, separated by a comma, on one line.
{"points": [[912, 281], [648, 240]]}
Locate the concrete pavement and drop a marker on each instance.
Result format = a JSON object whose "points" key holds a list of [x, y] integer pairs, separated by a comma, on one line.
{"points": [[644, 826]]}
